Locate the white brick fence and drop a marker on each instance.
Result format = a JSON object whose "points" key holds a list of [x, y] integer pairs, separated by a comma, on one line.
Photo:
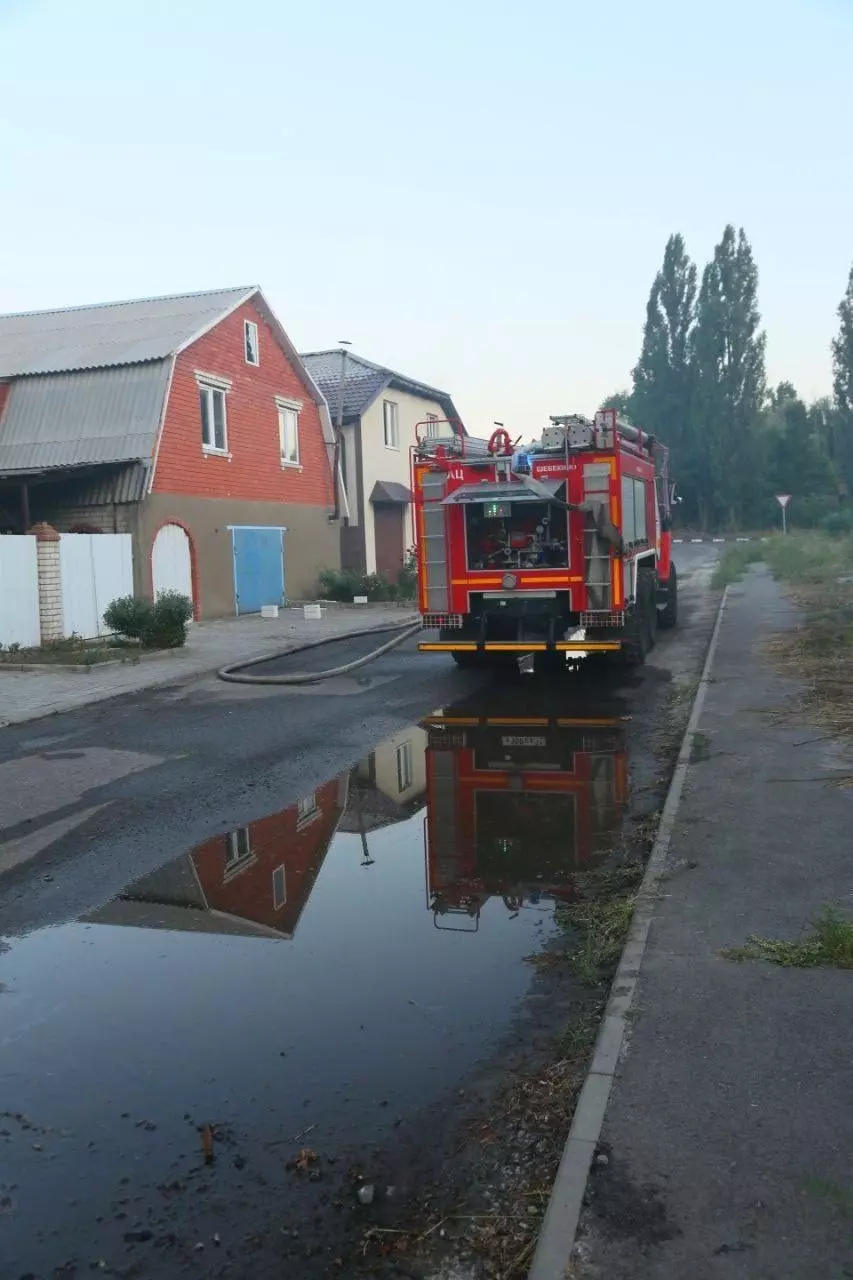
{"points": [[54, 585]]}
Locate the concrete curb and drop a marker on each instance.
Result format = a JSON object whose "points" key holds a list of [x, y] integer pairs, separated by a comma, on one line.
{"points": [[557, 1237], [86, 668]]}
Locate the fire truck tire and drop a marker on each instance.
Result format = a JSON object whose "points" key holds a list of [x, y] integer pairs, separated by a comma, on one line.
{"points": [[549, 664], [650, 609], [668, 615], [639, 636]]}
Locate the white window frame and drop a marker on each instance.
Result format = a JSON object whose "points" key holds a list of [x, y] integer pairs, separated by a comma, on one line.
{"points": [[239, 853], [287, 407], [250, 334], [391, 418], [235, 852], [431, 432], [210, 385], [307, 810], [279, 901], [405, 769]]}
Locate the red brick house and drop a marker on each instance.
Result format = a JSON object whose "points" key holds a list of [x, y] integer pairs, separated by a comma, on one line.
{"points": [[254, 881], [189, 422]]}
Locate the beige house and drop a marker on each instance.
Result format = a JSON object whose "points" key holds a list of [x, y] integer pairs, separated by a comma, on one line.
{"points": [[381, 411]]}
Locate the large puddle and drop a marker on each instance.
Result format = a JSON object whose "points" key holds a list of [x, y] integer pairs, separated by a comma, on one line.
{"points": [[307, 981]]}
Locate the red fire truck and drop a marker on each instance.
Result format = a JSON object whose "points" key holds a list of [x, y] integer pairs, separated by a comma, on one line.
{"points": [[516, 805], [562, 545]]}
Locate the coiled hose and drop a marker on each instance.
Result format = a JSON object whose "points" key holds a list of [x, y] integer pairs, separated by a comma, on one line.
{"points": [[233, 673]]}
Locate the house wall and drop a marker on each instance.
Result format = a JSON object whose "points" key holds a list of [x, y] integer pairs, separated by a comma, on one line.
{"points": [[311, 543], [379, 463], [385, 765], [118, 517], [279, 840], [207, 492]]}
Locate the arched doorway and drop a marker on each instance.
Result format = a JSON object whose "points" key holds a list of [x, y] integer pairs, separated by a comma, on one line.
{"points": [[171, 561]]}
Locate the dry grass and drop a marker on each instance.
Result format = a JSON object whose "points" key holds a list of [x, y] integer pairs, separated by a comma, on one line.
{"points": [[820, 652]]}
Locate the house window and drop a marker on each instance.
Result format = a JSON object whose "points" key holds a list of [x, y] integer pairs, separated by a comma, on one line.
{"points": [[250, 342], [431, 431], [288, 432], [279, 888], [391, 423], [404, 766], [306, 810], [238, 846], [214, 423]]}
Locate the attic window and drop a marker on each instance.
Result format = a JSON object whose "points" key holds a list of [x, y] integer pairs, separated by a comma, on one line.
{"points": [[250, 342], [431, 432]]}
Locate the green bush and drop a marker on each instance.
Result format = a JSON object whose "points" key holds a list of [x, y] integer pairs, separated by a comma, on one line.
{"points": [[128, 616], [167, 624], [407, 583], [344, 584], [338, 584], [838, 524], [377, 587]]}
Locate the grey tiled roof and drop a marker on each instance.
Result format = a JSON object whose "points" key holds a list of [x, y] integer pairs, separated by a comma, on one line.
{"points": [[364, 382], [113, 334]]}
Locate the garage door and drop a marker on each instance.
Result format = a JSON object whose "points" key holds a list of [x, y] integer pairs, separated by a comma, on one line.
{"points": [[258, 567], [171, 564]]}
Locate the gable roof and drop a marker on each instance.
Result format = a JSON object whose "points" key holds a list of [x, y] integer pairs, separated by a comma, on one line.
{"points": [[115, 333], [89, 383], [365, 381]]}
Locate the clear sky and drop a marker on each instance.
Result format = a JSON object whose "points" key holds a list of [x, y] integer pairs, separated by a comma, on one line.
{"points": [[474, 192]]}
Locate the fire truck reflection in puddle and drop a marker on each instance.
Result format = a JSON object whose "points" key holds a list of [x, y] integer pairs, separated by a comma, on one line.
{"points": [[515, 806]]}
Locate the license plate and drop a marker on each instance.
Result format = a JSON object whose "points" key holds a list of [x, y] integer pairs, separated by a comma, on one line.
{"points": [[522, 740]]}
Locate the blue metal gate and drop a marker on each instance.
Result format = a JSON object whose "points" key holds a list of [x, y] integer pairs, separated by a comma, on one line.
{"points": [[258, 567]]}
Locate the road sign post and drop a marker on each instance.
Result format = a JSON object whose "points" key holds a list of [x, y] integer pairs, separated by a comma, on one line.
{"points": [[783, 499]]}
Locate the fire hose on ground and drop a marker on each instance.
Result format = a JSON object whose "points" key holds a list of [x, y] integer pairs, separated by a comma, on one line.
{"points": [[234, 673]]}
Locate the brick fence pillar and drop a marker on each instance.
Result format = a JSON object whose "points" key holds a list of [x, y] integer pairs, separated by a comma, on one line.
{"points": [[50, 582]]}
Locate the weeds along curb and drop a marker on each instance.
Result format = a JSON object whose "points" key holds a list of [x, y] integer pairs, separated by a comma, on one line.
{"points": [[559, 1228]]}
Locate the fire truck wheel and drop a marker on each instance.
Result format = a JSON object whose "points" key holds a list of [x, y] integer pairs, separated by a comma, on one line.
{"points": [[650, 610], [638, 630], [549, 664], [668, 615]]}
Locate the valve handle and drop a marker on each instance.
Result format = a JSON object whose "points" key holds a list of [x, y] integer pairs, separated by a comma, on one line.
{"points": [[499, 441]]}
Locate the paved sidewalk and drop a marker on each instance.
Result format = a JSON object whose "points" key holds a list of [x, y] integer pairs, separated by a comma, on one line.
{"points": [[729, 1132], [210, 645]]}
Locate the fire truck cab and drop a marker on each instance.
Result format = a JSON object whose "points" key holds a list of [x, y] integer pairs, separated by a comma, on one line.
{"points": [[560, 546]]}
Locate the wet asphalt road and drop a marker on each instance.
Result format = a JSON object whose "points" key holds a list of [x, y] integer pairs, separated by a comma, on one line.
{"points": [[254, 932]]}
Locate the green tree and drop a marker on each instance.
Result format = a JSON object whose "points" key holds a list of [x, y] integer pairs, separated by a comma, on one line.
{"points": [[842, 384], [794, 458], [662, 379], [621, 402], [729, 383]]}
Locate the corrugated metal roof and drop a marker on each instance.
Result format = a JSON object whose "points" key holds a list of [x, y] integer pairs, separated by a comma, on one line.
{"points": [[122, 484], [96, 416], [364, 382], [113, 334]]}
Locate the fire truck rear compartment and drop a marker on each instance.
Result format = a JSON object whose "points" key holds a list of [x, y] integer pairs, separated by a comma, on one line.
{"points": [[517, 535]]}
